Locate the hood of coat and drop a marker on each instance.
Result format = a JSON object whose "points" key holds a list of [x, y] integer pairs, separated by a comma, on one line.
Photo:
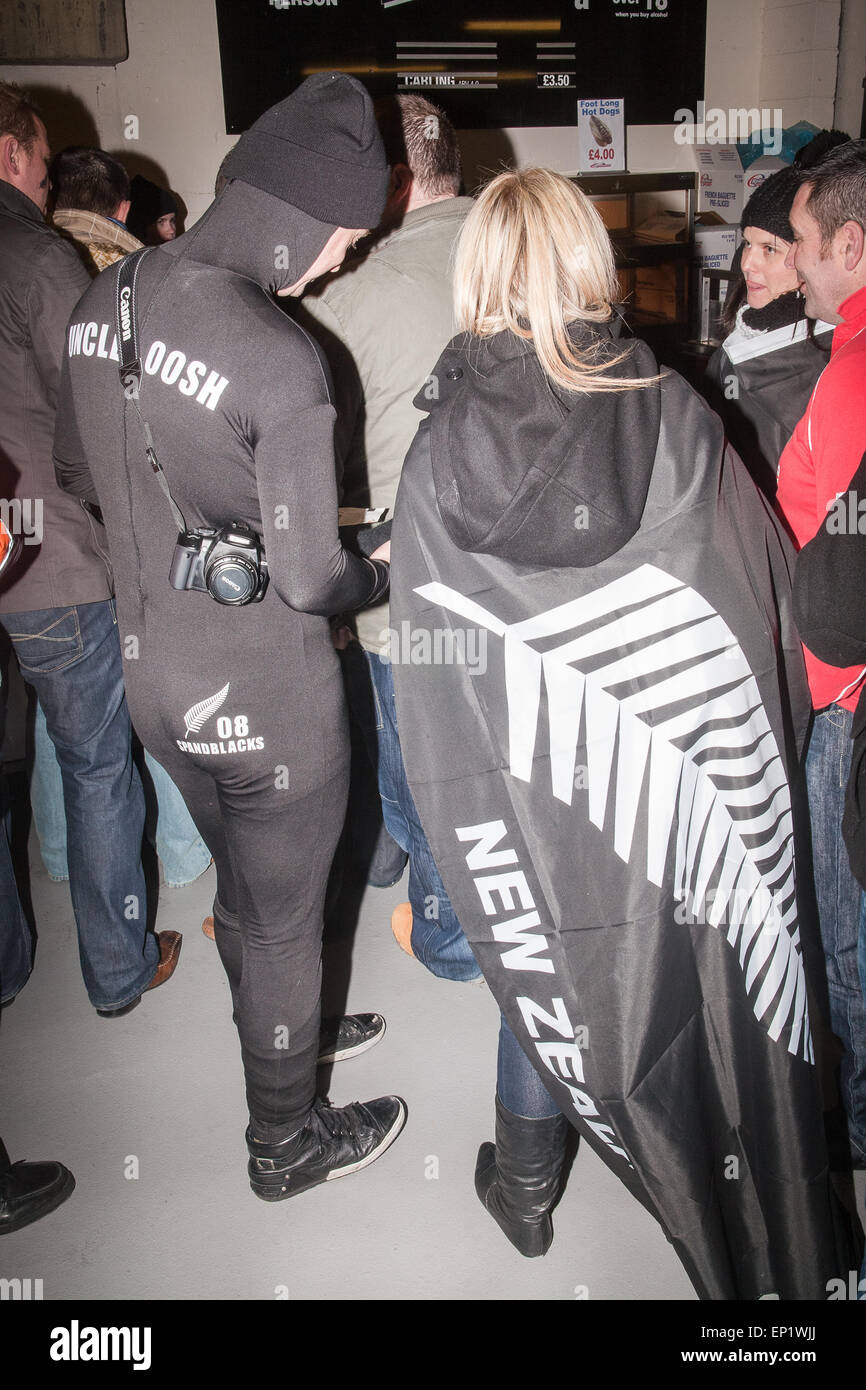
{"points": [[254, 234], [533, 473]]}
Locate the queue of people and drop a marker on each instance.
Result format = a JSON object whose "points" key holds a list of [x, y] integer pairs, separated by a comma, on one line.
{"points": [[598, 818]]}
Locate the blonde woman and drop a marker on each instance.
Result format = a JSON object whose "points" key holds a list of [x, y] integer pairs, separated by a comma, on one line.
{"points": [[606, 789]]}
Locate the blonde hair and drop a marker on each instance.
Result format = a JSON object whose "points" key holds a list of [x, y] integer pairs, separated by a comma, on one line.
{"points": [[533, 257]]}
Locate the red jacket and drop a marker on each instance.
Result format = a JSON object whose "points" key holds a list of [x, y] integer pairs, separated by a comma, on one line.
{"points": [[819, 462]]}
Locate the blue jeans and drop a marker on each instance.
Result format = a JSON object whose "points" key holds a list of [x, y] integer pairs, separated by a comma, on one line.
{"points": [[46, 801], [71, 656], [518, 1084], [367, 838], [437, 936], [183, 852], [840, 907], [15, 949]]}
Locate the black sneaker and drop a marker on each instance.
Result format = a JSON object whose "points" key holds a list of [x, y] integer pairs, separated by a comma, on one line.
{"points": [[333, 1143], [349, 1036]]}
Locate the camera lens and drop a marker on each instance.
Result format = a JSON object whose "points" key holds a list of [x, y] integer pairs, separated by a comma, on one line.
{"points": [[232, 580]]}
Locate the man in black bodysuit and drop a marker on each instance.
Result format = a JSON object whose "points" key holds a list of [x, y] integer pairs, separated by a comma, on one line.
{"points": [[243, 705]]}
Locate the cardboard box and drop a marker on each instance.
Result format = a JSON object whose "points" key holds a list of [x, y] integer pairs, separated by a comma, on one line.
{"points": [[758, 172], [713, 292], [612, 211], [625, 279], [720, 181], [715, 241], [656, 291]]}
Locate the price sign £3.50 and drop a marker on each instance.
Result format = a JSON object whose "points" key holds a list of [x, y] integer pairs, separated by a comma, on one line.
{"points": [[601, 135]]}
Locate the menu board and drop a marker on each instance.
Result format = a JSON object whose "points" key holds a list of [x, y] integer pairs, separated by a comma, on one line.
{"points": [[487, 63]]}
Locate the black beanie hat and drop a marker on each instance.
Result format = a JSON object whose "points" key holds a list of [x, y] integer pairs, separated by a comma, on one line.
{"points": [[318, 150], [770, 204], [148, 202]]}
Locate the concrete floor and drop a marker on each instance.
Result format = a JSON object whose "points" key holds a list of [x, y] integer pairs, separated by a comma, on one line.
{"points": [[160, 1093]]}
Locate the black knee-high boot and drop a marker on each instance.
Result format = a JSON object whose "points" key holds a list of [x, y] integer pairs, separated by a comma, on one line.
{"points": [[517, 1179]]}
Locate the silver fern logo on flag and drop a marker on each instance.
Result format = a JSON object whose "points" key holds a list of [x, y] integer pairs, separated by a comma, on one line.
{"points": [[658, 676], [198, 714]]}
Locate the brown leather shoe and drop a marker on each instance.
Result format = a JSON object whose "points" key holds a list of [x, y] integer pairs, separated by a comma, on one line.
{"points": [[207, 928], [169, 953]]}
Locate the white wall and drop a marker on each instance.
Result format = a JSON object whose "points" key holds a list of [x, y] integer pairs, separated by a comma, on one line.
{"points": [[852, 62], [800, 58], [172, 83]]}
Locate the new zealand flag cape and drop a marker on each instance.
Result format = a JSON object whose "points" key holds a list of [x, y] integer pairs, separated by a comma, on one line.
{"points": [[600, 759]]}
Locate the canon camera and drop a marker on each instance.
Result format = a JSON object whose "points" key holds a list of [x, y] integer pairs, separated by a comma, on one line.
{"points": [[229, 564]]}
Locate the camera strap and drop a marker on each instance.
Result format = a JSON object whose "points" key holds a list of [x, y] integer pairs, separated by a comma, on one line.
{"points": [[130, 364]]}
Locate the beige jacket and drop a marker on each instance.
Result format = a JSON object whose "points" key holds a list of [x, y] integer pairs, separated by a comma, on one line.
{"points": [[383, 323], [101, 240]]}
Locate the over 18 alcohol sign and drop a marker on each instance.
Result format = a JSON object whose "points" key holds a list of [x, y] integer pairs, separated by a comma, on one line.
{"points": [[486, 62]]}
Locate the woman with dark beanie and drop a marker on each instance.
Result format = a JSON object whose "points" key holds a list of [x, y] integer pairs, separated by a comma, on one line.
{"points": [[760, 379], [153, 212]]}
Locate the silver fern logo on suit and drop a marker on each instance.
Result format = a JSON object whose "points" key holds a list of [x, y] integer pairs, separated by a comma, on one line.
{"points": [[653, 673], [233, 730]]}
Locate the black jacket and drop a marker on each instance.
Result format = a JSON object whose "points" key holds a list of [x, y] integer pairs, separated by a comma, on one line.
{"points": [[760, 384], [41, 279], [830, 612], [527, 482]]}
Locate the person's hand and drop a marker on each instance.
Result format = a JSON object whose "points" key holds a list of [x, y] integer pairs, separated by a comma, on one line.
{"points": [[383, 553], [341, 633], [342, 637]]}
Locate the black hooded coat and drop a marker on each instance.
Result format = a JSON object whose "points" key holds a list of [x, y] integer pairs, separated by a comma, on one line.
{"points": [[600, 693]]}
